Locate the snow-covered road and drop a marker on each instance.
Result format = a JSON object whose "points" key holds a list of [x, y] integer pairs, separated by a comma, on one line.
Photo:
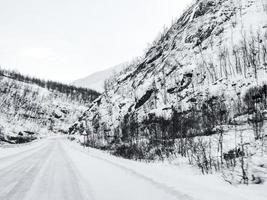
{"points": [[42, 172], [56, 169], [48, 172]]}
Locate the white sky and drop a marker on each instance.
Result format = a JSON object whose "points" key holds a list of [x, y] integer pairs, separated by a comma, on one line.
{"points": [[65, 40]]}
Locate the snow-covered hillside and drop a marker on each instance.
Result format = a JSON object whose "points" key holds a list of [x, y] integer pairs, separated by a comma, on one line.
{"points": [[28, 110], [96, 80], [205, 76]]}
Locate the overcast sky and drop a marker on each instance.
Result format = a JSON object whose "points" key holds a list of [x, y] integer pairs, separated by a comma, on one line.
{"points": [[65, 40]]}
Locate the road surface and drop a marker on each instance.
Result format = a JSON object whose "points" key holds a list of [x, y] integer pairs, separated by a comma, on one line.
{"points": [[57, 169], [54, 170]]}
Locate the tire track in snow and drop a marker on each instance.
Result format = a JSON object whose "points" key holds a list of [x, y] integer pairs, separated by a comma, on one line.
{"points": [[18, 154], [17, 158], [83, 182], [17, 178], [57, 179]]}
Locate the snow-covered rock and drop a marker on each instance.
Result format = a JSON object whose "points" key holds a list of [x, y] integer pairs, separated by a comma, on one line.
{"points": [[208, 72], [202, 55]]}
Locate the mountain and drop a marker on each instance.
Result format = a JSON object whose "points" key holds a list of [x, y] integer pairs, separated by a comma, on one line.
{"points": [[31, 108], [96, 80], [200, 92]]}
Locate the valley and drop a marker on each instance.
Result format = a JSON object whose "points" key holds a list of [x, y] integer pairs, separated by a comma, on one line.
{"points": [[186, 120]]}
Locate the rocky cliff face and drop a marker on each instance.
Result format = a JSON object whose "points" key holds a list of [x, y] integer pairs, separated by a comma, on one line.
{"points": [[197, 77]]}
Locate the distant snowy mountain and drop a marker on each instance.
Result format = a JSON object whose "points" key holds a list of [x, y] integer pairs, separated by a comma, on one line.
{"points": [[96, 80]]}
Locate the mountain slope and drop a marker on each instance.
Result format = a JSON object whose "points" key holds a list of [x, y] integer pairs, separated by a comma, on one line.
{"points": [[31, 107], [96, 80], [200, 87]]}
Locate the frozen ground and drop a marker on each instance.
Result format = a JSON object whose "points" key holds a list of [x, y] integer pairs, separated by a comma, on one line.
{"points": [[56, 169]]}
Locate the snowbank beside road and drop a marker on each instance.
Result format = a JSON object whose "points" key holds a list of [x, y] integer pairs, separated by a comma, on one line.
{"points": [[181, 181]]}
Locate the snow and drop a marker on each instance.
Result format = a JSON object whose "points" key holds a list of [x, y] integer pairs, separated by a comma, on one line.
{"points": [[96, 80], [28, 107], [188, 58], [55, 169]]}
